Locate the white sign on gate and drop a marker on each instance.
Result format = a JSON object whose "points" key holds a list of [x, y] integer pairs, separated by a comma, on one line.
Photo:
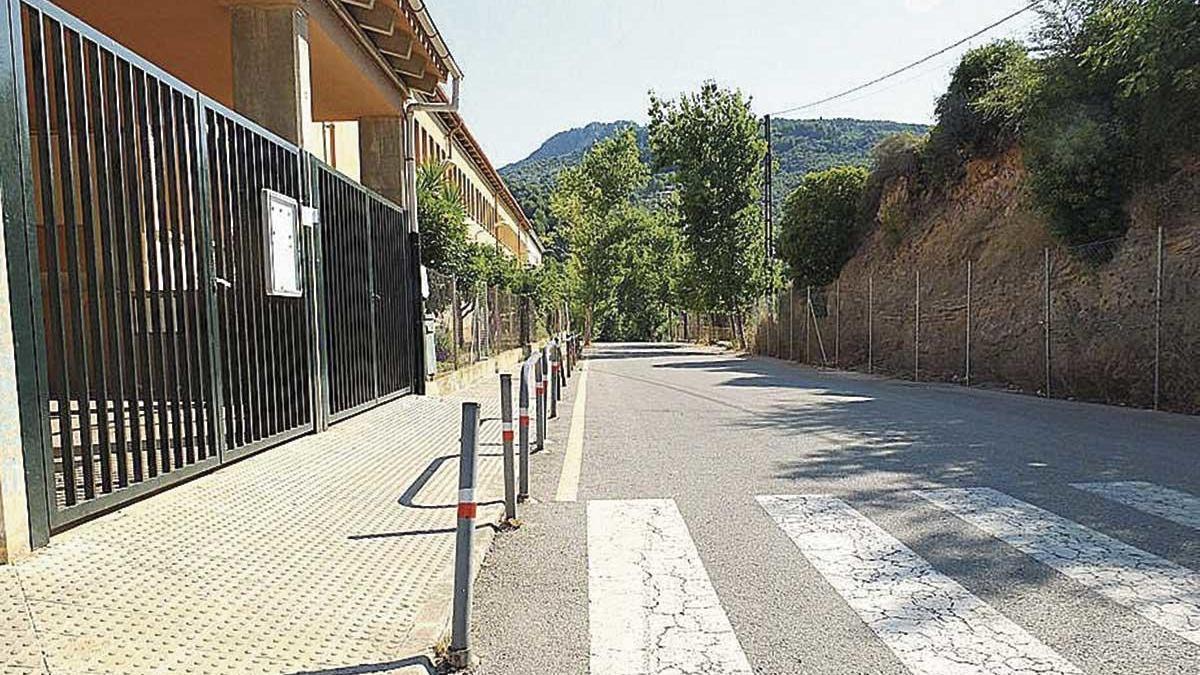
{"points": [[281, 220]]}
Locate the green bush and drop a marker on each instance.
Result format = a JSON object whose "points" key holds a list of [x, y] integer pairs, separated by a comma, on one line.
{"points": [[820, 221], [1117, 108], [895, 156], [971, 120]]}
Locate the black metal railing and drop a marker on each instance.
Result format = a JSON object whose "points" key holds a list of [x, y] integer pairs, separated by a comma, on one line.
{"points": [[142, 269], [266, 340], [115, 167], [367, 292]]}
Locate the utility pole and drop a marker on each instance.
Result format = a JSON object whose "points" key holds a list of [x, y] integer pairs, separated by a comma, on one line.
{"points": [[767, 196]]}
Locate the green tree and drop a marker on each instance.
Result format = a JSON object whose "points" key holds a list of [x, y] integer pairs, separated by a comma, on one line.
{"points": [[820, 223], [445, 243], [711, 142], [647, 261], [591, 200], [1120, 86]]}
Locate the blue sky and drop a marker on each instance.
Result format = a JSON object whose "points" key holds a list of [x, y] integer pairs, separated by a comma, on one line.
{"points": [[536, 67]]}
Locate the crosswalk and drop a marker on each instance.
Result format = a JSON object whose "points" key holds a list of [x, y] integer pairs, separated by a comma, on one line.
{"points": [[653, 608]]}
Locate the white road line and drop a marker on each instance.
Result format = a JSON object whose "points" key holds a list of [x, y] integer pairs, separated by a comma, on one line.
{"points": [[652, 608], [568, 480], [1173, 505], [1158, 589], [928, 620]]}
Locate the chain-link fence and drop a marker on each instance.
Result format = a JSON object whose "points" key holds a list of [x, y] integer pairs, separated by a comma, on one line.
{"points": [[475, 322], [1113, 321]]}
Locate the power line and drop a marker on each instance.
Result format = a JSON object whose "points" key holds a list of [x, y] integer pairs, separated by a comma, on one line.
{"points": [[916, 63], [925, 72]]}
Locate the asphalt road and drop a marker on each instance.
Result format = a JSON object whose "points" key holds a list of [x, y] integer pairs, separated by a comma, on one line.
{"points": [[919, 525]]}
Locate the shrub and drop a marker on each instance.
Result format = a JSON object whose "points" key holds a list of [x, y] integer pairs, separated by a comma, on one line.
{"points": [[895, 156], [1076, 167], [972, 120], [820, 223]]}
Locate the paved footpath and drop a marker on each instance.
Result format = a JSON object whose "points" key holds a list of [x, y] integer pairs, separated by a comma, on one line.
{"points": [[332, 554], [744, 515]]}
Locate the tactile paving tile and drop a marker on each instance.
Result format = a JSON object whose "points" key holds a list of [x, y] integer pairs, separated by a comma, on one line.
{"points": [[301, 558]]}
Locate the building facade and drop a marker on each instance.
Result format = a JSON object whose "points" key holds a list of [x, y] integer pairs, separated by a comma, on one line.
{"points": [[210, 242]]}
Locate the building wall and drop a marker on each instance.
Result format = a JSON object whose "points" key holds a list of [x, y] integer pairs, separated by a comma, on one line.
{"points": [[488, 217]]}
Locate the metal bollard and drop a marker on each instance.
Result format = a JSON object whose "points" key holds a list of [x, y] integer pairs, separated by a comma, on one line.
{"points": [[459, 655], [568, 360], [540, 383], [506, 434], [523, 429], [552, 382], [561, 352]]}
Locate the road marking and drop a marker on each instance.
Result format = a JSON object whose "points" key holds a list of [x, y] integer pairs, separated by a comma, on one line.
{"points": [[1158, 589], [651, 605], [568, 480], [928, 620], [1173, 505]]}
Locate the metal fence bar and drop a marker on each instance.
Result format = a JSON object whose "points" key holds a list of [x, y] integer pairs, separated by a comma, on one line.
{"points": [[968, 345], [1046, 317], [917, 327], [870, 324], [1158, 291]]}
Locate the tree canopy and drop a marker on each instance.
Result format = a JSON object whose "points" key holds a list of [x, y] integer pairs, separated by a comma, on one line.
{"points": [[711, 143], [820, 222]]}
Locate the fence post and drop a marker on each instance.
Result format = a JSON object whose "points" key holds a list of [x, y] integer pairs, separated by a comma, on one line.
{"points": [[792, 320], [779, 327], [917, 329], [870, 323], [1046, 318], [807, 317], [525, 348], [539, 374], [968, 323], [460, 636], [506, 438], [456, 331], [837, 323], [523, 430], [1158, 284]]}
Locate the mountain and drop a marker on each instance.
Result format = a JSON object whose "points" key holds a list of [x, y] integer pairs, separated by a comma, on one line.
{"points": [[800, 146]]}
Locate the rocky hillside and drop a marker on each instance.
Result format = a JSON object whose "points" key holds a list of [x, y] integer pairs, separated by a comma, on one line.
{"points": [[1102, 296], [800, 146]]}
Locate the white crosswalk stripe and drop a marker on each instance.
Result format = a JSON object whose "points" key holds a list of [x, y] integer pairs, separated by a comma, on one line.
{"points": [[1173, 505], [932, 624], [652, 607], [1159, 590]]}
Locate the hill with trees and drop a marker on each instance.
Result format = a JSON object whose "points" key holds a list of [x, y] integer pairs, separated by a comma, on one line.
{"points": [[800, 146]]}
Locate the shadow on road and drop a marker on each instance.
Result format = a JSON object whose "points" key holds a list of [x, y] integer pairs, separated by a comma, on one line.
{"points": [[881, 439]]}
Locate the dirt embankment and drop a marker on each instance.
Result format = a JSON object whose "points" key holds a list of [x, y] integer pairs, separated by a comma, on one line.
{"points": [[1105, 307]]}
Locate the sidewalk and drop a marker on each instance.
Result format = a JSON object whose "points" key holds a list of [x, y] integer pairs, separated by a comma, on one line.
{"points": [[330, 554]]}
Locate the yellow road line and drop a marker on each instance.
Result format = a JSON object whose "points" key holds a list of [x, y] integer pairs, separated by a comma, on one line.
{"points": [[568, 480]]}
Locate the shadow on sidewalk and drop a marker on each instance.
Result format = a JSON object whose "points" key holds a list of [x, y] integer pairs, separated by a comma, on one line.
{"points": [[422, 662], [418, 533]]}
